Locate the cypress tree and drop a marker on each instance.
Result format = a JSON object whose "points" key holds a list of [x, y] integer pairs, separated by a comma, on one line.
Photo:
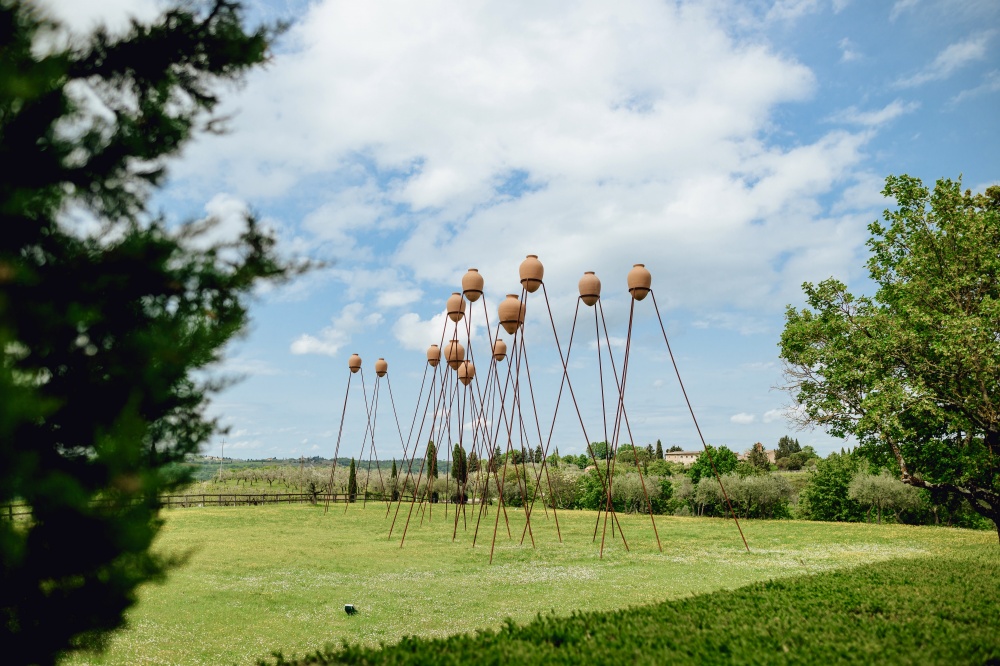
{"points": [[352, 483], [432, 470], [394, 480], [758, 457], [459, 465], [659, 450]]}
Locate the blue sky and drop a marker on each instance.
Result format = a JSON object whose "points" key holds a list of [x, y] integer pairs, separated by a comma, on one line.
{"points": [[737, 149]]}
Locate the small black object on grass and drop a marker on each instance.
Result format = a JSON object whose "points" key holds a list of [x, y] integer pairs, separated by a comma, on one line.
{"points": [[350, 609]]}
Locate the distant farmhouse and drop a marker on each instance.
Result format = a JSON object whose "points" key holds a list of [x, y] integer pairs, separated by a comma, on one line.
{"points": [[682, 457]]}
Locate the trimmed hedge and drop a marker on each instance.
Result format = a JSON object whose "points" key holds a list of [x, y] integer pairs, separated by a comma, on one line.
{"points": [[908, 611]]}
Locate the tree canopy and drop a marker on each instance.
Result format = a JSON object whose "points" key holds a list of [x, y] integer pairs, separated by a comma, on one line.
{"points": [[723, 458], [786, 447], [757, 457], [103, 325], [913, 373]]}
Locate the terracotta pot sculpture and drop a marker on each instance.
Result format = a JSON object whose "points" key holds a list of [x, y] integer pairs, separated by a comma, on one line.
{"points": [[499, 350], [433, 356], [466, 371], [454, 353], [472, 285], [531, 272], [381, 367], [354, 363], [590, 288], [639, 281], [456, 307], [511, 312]]}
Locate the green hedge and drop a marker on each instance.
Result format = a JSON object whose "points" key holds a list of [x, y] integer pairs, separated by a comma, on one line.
{"points": [[910, 611]]}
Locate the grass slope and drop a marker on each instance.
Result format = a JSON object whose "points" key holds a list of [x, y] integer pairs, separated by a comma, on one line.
{"points": [[262, 578], [916, 611]]}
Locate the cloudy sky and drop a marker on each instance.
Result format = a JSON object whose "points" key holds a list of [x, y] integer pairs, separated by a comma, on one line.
{"points": [[736, 148]]}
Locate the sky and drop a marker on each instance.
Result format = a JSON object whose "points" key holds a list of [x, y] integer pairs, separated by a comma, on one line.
{"points": [[737, 149]]}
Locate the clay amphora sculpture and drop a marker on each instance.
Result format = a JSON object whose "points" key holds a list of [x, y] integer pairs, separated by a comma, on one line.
{"points": [[472, 285], [456, 307], [454, 353], [531, 271], [466, 371], [639, 281], [590, 288], [354, 363], [511, 312], [433, 356]]}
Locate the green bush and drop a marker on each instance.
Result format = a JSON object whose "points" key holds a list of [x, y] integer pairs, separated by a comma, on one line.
{"points": [[754, 496], [826, 496], [909, 611]]}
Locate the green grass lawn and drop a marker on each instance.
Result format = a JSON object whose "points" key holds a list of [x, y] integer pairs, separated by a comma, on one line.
{"points": [[267, 578]]}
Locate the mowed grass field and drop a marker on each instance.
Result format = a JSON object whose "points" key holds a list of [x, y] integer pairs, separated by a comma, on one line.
{"points": [[268, 578]]}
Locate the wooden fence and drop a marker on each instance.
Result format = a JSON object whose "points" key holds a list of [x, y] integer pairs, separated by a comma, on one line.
{"points": [[15, 509]]}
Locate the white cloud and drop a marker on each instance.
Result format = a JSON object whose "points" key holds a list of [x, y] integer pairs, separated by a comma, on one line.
{"points": [[901, 6], [345, 213], [743, 418], [617, 143], [790, 10], [395, 298], [772, 415], [81, 16], [745, 324], [952, 58], [243, 365], [418, 334], [614, 341], [848, 51], [889, 112], [758, 365], [225, 220], [864, 195], [352, 319], [990, 84], [245, 445]]}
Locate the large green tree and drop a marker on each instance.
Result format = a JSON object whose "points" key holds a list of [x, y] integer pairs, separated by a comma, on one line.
{"points": [[913, 373], [102, 327], [826, 496], [757, 457], [882, 492], [786, 447], [723, 459]]}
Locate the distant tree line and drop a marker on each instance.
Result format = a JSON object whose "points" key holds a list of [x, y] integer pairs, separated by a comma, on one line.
{"points": [[841, 487]]}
